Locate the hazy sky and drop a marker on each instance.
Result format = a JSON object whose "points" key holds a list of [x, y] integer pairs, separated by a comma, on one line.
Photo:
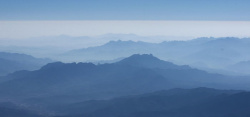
{"points": [[27, 29], [192, 18], [22, 19]]}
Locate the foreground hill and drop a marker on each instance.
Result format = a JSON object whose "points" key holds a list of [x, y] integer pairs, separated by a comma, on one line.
{"points": [[198, 102], [11, 62], [11, 110]]}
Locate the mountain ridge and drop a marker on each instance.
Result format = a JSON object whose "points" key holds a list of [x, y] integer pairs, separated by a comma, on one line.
{"points": [[60, 83], [202, 53], [11, 62]]}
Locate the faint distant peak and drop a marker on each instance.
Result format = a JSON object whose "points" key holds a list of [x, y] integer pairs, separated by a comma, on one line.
{"points": [[120, 41], [118, 35], [126, 43], [14, 54]]}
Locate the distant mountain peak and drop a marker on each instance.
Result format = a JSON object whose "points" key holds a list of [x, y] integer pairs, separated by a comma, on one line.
{"points": [[145, 56], [141, 57], [149, 61], [125, 43]]}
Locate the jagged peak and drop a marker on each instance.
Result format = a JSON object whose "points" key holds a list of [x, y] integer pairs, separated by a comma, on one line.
{"points": [[149, 61], [139, 57], [61, 64]]}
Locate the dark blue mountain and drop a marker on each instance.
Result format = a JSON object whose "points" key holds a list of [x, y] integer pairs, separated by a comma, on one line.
{"points": [[65, 83], [10, 110], [149, 61], [198, 102], [106, 80]]}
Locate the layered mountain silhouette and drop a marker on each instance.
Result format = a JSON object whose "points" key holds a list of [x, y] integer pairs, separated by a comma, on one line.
{"points": [[11, 62], [129, 76], [202, 53], [58, 85], [63, 83]]}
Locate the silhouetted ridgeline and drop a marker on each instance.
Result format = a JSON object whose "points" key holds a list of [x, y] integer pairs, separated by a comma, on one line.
{"points": [[56, 87], [205, 53]]}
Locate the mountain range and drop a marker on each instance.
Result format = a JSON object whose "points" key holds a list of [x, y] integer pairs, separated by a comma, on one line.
{"points": [[210, 54], [59, 84], [214, 55], [51, 46]]}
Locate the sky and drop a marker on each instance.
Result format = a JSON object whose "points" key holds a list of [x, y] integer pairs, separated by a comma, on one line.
{"points": [[29, 29], [222, 10], [184, 18]]}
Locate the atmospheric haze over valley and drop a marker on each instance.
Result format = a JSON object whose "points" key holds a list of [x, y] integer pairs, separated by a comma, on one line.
{"points": [[142, 58], [125, 76]]}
